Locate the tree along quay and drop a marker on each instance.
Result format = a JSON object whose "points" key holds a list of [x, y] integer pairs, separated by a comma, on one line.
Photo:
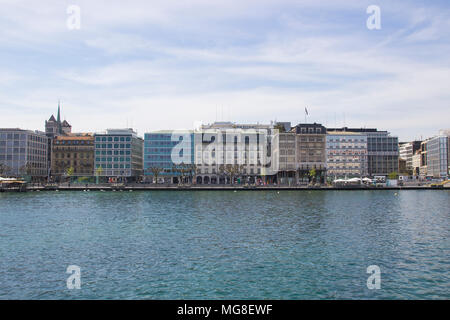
{"points": [[155, 187]]}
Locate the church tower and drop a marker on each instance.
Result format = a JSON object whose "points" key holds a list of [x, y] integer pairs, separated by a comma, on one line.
{"points": [[56, 127]]}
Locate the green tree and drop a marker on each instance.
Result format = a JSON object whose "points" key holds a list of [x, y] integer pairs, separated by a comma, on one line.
{"points": [[98, 173], [312, 174], [70, 171], [192, 171], [233, 170], [155, 171], [280, 127], [393, 175]]}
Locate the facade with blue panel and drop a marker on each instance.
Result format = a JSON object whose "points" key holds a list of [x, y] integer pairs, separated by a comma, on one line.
{"points": [[118, 155], [167, 152]]}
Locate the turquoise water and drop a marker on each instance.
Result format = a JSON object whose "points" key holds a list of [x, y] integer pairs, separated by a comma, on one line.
{"points": [[225, 245]]}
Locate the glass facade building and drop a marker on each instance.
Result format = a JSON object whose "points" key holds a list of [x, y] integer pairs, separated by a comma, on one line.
{"points": [[164, 151], [23, 153], [437, 157], [118, 154], [382, 153], [382, 150]]}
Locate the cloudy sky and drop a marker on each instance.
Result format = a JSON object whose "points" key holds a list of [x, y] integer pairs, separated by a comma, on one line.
{"points": [[169, 64]]}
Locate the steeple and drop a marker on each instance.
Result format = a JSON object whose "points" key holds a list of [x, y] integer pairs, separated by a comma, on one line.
{"points": [[58, 119]]}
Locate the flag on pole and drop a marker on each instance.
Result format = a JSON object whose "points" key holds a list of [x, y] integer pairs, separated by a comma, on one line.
{"points": [[306, 111]]}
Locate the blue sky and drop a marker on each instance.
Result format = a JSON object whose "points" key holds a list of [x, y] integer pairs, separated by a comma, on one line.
{"points": [[168, 64]]}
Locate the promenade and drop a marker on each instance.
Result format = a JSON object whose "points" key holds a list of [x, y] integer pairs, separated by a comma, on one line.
{"points": [[213, 187]]}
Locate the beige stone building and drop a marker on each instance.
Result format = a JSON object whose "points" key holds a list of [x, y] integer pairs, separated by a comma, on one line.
{"points": [[346, 154], [287, 158], [74, 152], [311, 150]]}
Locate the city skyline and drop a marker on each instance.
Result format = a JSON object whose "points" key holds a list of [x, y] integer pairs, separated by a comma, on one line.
{"points": [[157, 65], [199, 124]]}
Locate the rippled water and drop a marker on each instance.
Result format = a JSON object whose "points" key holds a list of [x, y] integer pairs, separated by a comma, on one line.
{"points": [[224, 244]]}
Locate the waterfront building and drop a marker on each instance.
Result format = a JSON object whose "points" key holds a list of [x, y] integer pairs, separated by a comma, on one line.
{"points": [[118, 155], [287, 173], [228, 153], [438, 157], [73, 156], [310, 151], [346, 154], [382, 150], [23, 153], [53, 128], [406, 152], [416, 164], [169, 155], [402, 168], [423, 160]]}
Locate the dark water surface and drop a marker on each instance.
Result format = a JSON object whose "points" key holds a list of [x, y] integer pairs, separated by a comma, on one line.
{"points": [[224, 244]]}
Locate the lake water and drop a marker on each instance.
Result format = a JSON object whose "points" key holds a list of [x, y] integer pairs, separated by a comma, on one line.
{"points": [[225, 244]]}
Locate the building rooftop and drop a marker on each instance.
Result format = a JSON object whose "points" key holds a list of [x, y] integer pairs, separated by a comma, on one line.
{"points": [[118, 132], [350, 133], [22, 130], [354, 129], [86, 137]]}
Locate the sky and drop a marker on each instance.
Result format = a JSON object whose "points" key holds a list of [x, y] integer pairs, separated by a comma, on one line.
{"points": [[155, 65]]}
